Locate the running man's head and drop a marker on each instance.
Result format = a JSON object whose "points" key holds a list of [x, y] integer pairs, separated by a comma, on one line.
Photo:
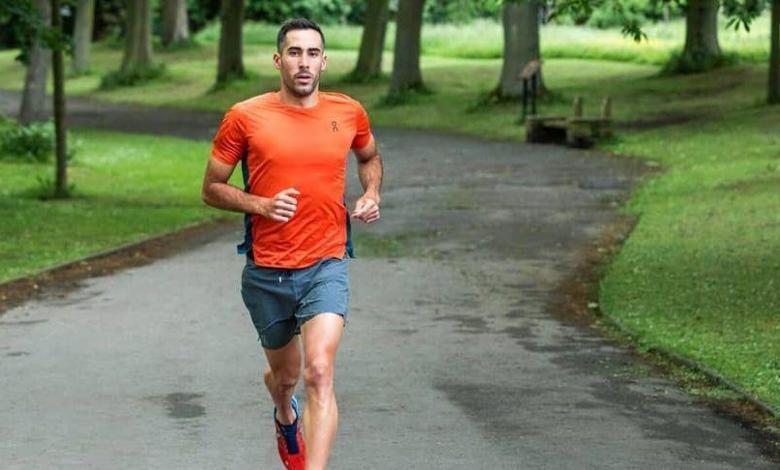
{"points": [[300, 56]]}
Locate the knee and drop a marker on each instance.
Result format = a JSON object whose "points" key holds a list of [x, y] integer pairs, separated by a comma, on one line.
{"points": [[318, 376], [287, 377]]}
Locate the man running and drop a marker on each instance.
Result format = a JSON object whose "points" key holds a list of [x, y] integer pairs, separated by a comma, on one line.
{"points": [[293, 145]]}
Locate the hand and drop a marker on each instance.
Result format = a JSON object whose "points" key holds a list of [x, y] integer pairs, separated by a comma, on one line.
{"points": [[282, 206], [366, 209]]}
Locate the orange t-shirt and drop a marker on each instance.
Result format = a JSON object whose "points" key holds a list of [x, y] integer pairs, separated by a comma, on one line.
{"points": [[283, 146]]}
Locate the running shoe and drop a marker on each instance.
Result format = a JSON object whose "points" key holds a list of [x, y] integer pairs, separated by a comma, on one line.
{"points": [[289, 441]]}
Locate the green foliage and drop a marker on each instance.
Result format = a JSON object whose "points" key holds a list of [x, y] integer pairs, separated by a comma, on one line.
{"points": [[460, 11], [321, 11], [22, 27], [639, 12], [33, 143], [133, 77]]}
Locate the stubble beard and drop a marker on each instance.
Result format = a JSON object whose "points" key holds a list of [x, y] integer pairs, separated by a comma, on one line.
{"points": [[301, 91]]}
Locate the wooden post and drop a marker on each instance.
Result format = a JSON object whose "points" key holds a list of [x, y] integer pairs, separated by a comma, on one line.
{"points": [[529, 73], [606, 108], [61, 181], [577, 111]]}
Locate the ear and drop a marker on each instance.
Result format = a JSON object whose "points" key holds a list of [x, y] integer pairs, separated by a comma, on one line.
{"points": [[277, 61], [324, 62]]}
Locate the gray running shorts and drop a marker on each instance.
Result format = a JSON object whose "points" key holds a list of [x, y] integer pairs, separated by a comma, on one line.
{"points": [[281, 300]]}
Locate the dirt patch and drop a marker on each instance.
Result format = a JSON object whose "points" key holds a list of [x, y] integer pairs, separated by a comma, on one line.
{"points": [[65, 278], [577, 303]]}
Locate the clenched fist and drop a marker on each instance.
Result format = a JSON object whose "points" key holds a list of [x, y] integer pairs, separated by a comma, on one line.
{"points": [[282, 206]]}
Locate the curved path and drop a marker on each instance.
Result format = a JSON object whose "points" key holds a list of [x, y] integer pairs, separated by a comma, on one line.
{"points": [[452, 358]]}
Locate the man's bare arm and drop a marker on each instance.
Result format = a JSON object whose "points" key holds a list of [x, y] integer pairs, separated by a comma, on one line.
{"points": [[370, 171], [217, 192]]}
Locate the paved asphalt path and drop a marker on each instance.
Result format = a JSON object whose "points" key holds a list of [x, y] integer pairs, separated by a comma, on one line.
{"points": [[451, 358]]}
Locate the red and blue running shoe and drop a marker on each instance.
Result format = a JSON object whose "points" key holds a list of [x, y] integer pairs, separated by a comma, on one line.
{"points": [[289, 440]]}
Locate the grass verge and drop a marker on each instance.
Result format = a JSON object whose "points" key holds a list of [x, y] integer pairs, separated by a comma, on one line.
{"points": [[127, 188]]}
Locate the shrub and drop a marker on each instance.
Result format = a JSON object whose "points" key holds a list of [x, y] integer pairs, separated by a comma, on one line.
{"points": [[132, 77], [34, 142]]}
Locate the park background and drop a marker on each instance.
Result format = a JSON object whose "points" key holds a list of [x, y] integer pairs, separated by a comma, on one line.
{"points": [[698, 275]]}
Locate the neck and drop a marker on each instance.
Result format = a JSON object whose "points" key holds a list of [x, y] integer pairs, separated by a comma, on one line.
{"points": [[292, 99]]}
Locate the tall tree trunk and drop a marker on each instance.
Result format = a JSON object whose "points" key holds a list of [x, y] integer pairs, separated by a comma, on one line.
{"points": [[175, 28], [231, 62], [521, 45], [701, 49], [372, 42], [138, 43], [61, 181], [33, 107], [82, 35], [774, 55], [406, 60]]}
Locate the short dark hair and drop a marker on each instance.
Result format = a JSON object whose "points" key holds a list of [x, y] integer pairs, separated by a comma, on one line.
{"points": [[296, 23]]}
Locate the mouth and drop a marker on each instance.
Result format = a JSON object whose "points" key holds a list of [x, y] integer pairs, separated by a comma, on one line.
{"points": [[303, 77]]}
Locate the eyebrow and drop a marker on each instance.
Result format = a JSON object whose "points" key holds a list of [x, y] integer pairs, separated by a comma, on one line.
{"points": [[296, 48]]}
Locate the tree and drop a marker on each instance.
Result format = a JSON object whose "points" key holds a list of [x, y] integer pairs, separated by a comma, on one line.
{"points": [[82, 36], [231, 63], [701, 50], [521, 45], [33, 106], [372, 42], [61, 180], [175, 28], [406, 62], [774, 56], [138, 40]]}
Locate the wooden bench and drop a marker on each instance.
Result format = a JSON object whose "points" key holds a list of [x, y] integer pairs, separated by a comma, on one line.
{"points": [[576, 131]]}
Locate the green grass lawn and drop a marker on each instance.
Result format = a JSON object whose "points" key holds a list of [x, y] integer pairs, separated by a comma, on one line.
{"points": [[127, 188], [483, 39], [698, 275]]}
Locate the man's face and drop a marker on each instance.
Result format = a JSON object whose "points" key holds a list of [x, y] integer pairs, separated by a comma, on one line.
{"points": [[301, 61]]}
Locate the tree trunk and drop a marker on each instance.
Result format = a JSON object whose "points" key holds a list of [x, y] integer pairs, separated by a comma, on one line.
{"points": [[82, 35], [372, 42], [175, 28], [406, 62], [33, 107], [521, 45], [231, 63], [774, 55], [701, 35], [138, 42], [61, 181]]}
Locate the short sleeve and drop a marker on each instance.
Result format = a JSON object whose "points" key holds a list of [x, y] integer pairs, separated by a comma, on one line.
{"points": [[230, 141], [362, 129]]}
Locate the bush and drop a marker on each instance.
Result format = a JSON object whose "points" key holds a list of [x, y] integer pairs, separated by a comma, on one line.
{"points": [[132, 77], [34, 142]]}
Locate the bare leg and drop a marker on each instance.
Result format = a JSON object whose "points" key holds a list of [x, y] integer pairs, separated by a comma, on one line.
{"points": [[321, 336], [282, 376]]}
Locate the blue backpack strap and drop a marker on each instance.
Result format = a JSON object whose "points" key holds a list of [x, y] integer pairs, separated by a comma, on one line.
{"points": [[245, 248], [350, 247]]}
